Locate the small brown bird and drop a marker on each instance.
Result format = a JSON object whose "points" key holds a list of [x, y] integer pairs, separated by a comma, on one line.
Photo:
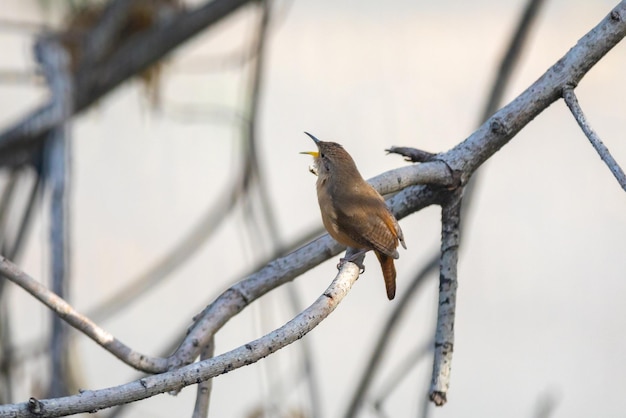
{"points": [[353, 212]]}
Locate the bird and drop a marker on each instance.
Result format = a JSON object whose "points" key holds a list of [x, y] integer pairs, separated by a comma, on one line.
{"points": [[353, 212]]}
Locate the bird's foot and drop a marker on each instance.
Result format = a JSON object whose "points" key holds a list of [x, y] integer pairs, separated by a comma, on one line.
{"points": [[355, 258], [343, 261]]}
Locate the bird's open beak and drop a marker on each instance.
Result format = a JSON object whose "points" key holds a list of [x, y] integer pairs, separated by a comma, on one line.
{"points": [[314, 154], [313, 138]]}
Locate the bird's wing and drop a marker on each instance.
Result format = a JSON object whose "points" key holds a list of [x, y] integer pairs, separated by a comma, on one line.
{"points": [[367, 220]]}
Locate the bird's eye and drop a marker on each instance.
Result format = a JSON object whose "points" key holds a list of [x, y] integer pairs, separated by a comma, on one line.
{"points": [[322, 155]]}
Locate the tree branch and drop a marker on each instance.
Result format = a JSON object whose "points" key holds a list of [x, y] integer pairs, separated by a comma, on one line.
{"points": [[55, 62], [66, 312], [92, 83], [444, 336], [203, 395], [500, 128], [298, 327], [279, 272], [572, 102]]}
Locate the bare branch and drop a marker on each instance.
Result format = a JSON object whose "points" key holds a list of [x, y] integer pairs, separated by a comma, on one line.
{"points": [[500, 128], [78, 321], [279, 272], [572, 102], [298, 327], [230, 303], [203, 395], [444, 336], [434, 173]]}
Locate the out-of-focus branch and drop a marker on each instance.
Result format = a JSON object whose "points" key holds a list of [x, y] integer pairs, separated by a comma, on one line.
{"points": [[444, 335], [511, 57], [411, 360], [13, 251], [92, 83], [102, 36], [55, 62], [572, 102], [203, 396], [385, 337], [5, 204], [298, 327]]}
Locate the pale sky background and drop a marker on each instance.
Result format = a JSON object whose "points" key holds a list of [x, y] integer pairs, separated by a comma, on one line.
{"points": [[543, 265]]}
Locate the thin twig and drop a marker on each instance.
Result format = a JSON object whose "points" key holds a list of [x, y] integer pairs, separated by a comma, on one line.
{"points": [[298, 327], [5, 204], [413, 155], [203, 396], [66, 312], [444, 335], [6, 354], [13, 252], [596, 142]]}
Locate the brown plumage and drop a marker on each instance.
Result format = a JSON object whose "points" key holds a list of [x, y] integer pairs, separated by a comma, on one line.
{"points": [[353, 212]]}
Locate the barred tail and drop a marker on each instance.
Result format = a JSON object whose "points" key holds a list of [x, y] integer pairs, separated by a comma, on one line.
{"points": [[389, 273]]}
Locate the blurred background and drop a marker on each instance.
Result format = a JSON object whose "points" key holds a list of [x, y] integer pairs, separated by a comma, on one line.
{"points": [[540, 317]]}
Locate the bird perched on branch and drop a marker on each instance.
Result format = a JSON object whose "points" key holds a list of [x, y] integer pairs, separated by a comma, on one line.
{"points": [[353, 212]]}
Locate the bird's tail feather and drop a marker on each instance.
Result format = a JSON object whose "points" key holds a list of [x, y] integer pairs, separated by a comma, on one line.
{"points": [[389, 273]]}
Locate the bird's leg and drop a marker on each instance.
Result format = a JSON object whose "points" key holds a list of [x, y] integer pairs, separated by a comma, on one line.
{"points": [[354, 255]]}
